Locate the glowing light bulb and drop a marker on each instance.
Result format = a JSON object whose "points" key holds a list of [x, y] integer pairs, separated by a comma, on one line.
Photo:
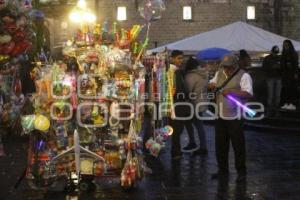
{"points": [[75, 16], [81, 4], [89, 17]]}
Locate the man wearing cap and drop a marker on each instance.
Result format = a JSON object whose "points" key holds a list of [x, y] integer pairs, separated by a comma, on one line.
{"points": [[273, 73], [229, 125]]}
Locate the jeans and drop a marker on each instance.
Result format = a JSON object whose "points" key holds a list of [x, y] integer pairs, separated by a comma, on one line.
{"points": [[178, 126], [274, 92], [230, 131], [201, 133]]}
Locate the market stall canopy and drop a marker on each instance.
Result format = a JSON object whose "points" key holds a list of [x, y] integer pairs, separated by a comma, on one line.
{"points": [[235, 36]]}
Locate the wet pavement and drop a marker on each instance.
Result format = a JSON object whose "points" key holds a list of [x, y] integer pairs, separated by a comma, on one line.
{"points": [[273, 162]]}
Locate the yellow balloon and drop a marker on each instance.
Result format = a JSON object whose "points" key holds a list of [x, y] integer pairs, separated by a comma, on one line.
{"points": [[4, 58], [41, 123]]}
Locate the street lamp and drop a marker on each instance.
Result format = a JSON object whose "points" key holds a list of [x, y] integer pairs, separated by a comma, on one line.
{"points": [[81, 14]]}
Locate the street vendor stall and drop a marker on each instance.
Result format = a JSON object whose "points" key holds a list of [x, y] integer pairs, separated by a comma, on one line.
{"points": [[88, 109]]}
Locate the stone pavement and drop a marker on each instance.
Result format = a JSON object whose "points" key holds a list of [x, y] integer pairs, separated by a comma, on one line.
{"points": [[273, 174]]}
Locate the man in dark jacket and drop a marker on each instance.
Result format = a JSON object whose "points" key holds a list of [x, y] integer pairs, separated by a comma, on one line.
{"points": [[273, 72], [179, 97]]}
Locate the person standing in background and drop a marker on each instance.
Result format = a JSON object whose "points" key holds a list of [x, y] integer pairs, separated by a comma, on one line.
{"points": [[244, 60], [197, 83], [289, 65], [180, 96], [273, 73]]}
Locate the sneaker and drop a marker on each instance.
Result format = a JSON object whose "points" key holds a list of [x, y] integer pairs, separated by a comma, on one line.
{"points": [[285, 106], [190, 147], [292, 107]]}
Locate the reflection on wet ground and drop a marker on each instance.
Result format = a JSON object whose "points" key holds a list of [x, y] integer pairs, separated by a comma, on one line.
{"points": [[273, 162]]}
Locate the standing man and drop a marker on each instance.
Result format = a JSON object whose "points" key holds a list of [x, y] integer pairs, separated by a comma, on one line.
{"points": [[229, 125], [180, 95], [272, 69]]}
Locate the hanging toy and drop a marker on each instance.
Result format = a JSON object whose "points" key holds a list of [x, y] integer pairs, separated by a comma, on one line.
{"points": [[124, 42], [17, 86], [135, 31], [129, 173], [115, 33]]}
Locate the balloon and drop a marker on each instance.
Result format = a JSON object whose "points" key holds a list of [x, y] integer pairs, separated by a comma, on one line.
{"points": [[4, 58], [26, 5], [21, 21], [36, 14], [10, 27], [5, 39], [3, 4], [20, 48], [168, 130], [41, 123], [151, 10], [19, 36], [8, 48], [155, 149], [27, 123]]}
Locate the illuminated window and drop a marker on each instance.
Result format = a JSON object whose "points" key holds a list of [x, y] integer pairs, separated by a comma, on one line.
{"points": [[122, 14], [250, 12], [187, 13]]}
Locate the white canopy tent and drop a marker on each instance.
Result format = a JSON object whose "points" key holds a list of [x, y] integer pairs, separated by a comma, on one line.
{"points": [[235, 36]]}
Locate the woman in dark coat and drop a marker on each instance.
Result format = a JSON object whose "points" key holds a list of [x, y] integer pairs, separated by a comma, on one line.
{"points": [[197, 82], [289, 66]]}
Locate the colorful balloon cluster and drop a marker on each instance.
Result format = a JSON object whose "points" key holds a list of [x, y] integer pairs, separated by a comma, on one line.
{"points": [[35, 122], [154, 145], [16, 31]]}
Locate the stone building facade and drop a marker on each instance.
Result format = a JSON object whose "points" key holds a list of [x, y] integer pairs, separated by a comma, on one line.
{"points": [[280, 16]]}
